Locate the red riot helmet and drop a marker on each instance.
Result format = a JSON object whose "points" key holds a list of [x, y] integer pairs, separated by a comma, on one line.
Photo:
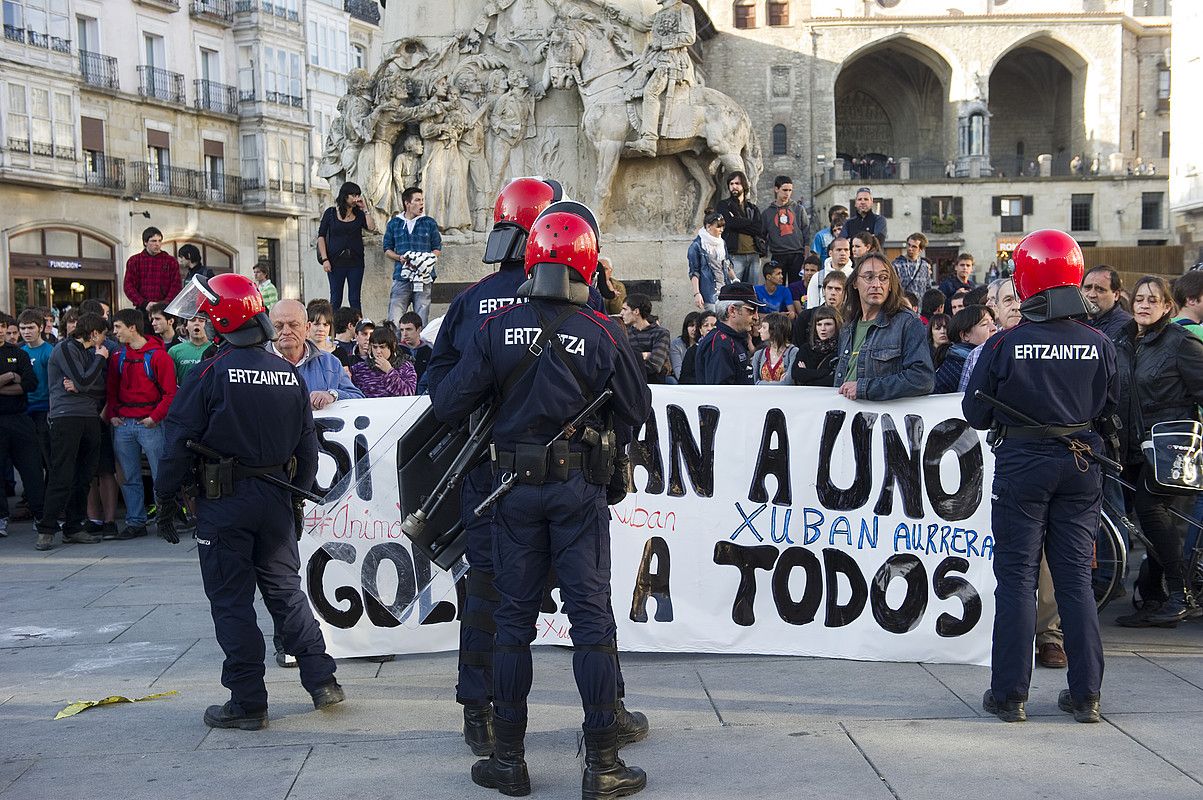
{"points": [[565, 234], [1046, 259], [232, 304], [517, 207], [1048, 276]]}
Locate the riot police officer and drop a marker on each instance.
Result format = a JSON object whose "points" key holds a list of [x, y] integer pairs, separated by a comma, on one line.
{"points": [[1060, 373], [252, 409], [517, 206], [545, 361], [723, 357]]}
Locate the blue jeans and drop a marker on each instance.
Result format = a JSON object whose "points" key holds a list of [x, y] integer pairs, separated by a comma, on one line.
{"points": [[353, 277], [747, 268], [403, 295], [130, 440]]}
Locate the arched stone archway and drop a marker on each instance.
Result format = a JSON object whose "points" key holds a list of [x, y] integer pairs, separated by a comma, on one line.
{"points": [[891, 101], [1037, 107]]}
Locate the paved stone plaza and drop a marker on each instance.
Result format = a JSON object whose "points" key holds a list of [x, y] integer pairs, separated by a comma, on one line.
{"points": [[130, 618]]}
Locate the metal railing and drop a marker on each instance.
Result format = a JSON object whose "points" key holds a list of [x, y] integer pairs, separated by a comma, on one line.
{"points": [[281, 11], [99, 70], [282, 99], [160, 84], [215, 10], [186, 184], [366, 10], [14, 34], [217, 97], [105, 172], [43, 40], [244, 6]]}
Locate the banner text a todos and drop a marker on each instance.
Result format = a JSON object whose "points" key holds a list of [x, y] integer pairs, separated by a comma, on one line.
{"points": [[780, 520]]}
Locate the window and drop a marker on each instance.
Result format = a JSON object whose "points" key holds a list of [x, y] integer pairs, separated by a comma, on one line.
{"points": [[743, 13], [252, 176], [158, 160], [942, 215], [282, 76], [327, 45], [1163, 87], [87, 34], [41, 23], [359, 57], [155, 50], [267, 253], [780, 140], [1081, 212], [210, 65], [246, 73], [1165, 144], [1150, 210], [215, 169], [777, 12], [40, 122], [1012, 210]]}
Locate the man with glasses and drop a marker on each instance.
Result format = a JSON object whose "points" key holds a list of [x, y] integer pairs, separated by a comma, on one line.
{"points": [[723, 356]]}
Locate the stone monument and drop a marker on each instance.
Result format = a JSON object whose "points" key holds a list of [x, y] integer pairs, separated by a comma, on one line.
{"points": [[602, 95]]}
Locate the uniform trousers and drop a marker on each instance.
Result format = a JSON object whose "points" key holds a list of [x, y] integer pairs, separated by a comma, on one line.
{"points": [[564, 524], [1043, 501], [248, 539]]}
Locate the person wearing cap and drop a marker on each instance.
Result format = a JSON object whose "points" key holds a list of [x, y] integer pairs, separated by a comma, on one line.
{"points": [[723, 355], [361, 347], [865, 219]]}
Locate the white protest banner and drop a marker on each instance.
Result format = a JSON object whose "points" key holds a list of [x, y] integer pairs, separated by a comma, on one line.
{"points": [[779, 520]]}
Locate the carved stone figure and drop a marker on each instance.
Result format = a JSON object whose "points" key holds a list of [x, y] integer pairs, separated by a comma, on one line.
{"points": [[445, 172], [407, 167], [508, 123], [664, 69]]}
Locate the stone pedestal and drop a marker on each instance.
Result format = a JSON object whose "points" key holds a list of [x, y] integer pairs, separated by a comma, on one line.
{"points": [[1046, 165]]}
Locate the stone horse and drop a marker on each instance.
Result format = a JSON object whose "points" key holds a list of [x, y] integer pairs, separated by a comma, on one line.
{"points": [[717, 128]]}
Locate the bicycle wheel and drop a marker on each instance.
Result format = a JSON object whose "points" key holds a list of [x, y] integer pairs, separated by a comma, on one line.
{"points": [[1110, 559]]}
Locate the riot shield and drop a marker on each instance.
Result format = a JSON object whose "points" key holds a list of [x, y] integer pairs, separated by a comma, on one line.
{"points": [[419, 588]]}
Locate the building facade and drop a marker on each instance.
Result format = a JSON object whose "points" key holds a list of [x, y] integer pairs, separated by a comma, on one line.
{"points": [[973, 122], [194, 116]]}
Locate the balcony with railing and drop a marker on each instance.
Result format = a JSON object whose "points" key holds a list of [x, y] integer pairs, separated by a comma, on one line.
{"points": [[36, 39], [104, 172], [281, 99], [160, 84], [216, 97], [366, 10], [280, 10], [219, 11], [99, 70], [184, 184], [165, 5]]}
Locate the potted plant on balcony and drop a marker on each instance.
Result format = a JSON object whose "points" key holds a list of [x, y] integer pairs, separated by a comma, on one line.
{"points": [[944, 225]]}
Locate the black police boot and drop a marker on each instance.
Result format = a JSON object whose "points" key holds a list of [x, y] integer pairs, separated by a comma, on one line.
{"points": [[1008, 711], [327, 695], [606, 775], [231, 715], [1085, 711], [632, 725], [1141, 618], [478, 729], [505, 770], [1172, 611]]}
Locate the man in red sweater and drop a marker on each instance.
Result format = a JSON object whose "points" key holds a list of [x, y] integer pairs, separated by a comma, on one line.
{"points": [[152, 276], [139, 389]]}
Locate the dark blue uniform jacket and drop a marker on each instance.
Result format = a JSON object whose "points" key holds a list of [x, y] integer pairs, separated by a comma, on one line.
{"points": [[723, 358], [1059, 373], [470, 307], [246, 403], [548, 395]]}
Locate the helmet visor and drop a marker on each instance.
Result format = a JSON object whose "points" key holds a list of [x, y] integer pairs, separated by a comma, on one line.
{"points": [[187, 304]]}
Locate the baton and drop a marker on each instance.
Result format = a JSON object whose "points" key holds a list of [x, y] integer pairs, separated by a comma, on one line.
{"points": [[1101, 459], [567, 432], [213, 455]]}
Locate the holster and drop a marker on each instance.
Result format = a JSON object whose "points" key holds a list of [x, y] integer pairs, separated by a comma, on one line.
{"points": [[217, 478], [601, 447]]}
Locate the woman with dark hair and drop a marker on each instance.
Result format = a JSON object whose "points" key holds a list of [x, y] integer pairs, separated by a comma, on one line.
{"points": [[688, 338], [709, 267], [340, 243], [862, 244], [814, 364], [706, 322], [771, 363], [969, 329], [937, 336], [189, 256], [648, 339], [1160, 379], [883, 348], [384, 373]]}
